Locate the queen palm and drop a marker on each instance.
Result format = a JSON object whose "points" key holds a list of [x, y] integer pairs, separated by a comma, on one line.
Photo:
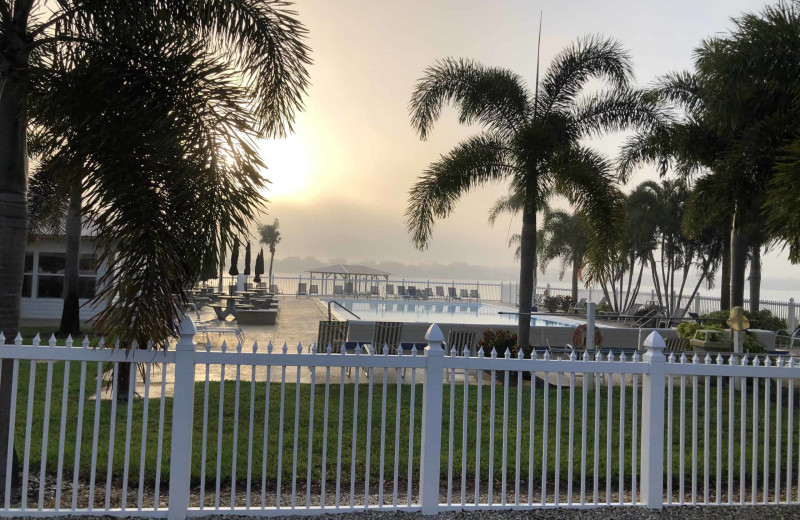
{"points": [[270, 236], [532, 140]]}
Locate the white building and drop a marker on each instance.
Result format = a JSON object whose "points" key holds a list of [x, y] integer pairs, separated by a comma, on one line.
{"points": [[43, 285]]}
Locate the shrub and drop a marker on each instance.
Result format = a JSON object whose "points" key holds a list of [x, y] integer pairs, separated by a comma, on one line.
{"points": [[564, 302], [687, 329], [762, 319], [551, 303], [499, 339]]}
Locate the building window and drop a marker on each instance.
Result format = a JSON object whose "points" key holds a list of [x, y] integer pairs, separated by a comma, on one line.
{"points": [[27, 279], [51, 275]]}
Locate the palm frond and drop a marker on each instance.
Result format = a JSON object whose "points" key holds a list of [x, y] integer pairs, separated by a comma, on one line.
{"points": [[590, 57], [494, 97], [511, 203], [618, 110], [681, 89], [474, 162]]}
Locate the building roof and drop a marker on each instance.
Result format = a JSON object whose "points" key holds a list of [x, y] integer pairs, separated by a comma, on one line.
{"points": [[349, 270]]}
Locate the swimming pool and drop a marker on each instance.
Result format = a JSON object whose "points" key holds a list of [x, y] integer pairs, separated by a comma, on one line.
{"points": [[439, 312]]}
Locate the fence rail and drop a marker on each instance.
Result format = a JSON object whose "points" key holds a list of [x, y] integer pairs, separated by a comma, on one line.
{"points": [[274, 430]]}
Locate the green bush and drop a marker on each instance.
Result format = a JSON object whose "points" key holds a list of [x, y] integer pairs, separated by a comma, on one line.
{"points": [[499, 339], [551, 303], [564, 302], [687, 329], [762, 319]]}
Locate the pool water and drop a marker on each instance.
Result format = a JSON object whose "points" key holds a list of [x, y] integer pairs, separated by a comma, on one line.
{"points": [[439, 312]]}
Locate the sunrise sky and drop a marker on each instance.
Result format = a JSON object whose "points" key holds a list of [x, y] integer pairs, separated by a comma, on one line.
{"points": [[340, 183]]}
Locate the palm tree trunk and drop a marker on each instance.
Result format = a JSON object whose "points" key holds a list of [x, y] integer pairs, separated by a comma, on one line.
{"points": [[271, 258], [527, 265], [70, 315], [738, 265], [575, 268], [13, 205], [755, 278], [725, 284]]}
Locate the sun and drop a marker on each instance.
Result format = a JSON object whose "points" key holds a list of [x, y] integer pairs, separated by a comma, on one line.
{"points": [[288, 167]]}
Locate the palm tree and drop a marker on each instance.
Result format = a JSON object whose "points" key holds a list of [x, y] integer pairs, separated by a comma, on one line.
{"points": [[530, 140], [270, 236], [159, 221], [693, 147], [563, 235]]}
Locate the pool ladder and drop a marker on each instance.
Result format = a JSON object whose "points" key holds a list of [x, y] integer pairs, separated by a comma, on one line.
{"points": [[343, 307]]}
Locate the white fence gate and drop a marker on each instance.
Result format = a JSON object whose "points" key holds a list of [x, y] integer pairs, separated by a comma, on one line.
{"points": [[276, 431]]}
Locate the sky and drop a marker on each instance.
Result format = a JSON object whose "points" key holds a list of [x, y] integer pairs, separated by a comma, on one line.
{"points": [[340, 182]]}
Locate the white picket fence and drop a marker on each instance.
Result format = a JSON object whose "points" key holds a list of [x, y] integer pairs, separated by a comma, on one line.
{"points": [[313, 432]]}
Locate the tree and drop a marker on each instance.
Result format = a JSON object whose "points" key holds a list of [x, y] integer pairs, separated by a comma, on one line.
{"points": [[157, 222], [621, 277], [751, 79], [530, 140], [270, 236], [563, 235]]}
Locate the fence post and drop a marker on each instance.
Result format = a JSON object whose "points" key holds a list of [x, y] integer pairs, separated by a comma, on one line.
{"points": [[431, 440], [652, 448], [182, 406], [792, 321]]}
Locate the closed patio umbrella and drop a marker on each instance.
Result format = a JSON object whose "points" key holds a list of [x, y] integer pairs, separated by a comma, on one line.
{"points": [[234, 270], [247, 260], [259, 267]]}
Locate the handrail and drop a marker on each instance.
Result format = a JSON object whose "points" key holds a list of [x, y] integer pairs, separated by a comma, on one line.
{"points": [[343, 307]]}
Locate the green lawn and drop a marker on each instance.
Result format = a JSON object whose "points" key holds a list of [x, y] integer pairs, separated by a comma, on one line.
{"points": [[318, 433]]}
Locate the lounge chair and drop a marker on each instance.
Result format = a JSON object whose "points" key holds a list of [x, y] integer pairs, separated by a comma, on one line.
{"points": [[401, 292], [333, 333], [461, 341], [388, 333], [578, 308], [451, 294], [314, 290], [440, 292], [428, 294], [474, 294], [373, 291], [390, 291], [348, 290], [338, 290], [463, 294], [274, 289], [411, 292], [301, 290], [677, 314]]}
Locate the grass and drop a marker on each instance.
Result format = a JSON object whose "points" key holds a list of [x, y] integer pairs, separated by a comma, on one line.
{"points": [[311, 425]]}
